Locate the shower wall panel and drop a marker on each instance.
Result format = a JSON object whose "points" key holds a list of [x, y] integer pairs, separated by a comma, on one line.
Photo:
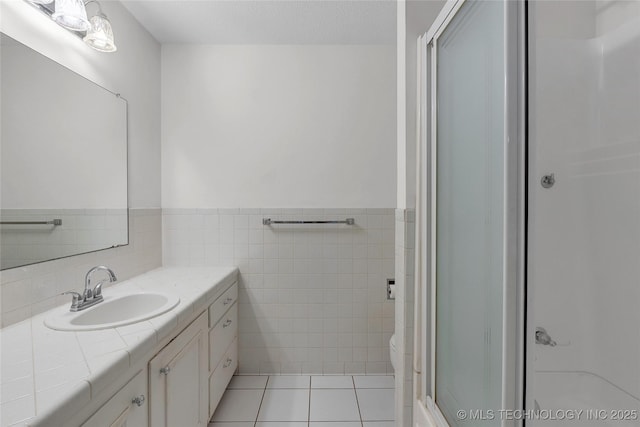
{"points": [[584, 255]]}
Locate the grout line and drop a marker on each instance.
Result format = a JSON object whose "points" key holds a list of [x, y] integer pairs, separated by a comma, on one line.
{"points": [[355, 391], [264, 391], [309, 407], [310, 389]]}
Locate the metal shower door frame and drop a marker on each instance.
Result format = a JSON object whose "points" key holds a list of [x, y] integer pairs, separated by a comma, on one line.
{"points": [[514, 348]]}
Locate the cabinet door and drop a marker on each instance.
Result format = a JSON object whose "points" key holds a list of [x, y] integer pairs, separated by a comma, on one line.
{"points": [[178, 379], [127, 408]]}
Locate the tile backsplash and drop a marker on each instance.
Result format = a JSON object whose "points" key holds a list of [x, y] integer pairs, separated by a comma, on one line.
{"points": [[82, 230], [312, 297], [29, 290]]}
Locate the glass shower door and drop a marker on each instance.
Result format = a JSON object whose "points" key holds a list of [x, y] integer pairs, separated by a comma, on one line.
{"points": [[469, 157]]}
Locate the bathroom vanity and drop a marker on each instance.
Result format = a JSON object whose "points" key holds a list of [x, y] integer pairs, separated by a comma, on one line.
{"points": [[169, 370]]}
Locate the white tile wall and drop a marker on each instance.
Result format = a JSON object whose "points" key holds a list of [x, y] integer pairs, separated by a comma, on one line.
{"points": [[25, 291], [405, 273], [312, 297], [82, 230]]}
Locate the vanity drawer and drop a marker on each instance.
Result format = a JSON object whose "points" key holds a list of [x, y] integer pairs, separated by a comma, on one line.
{"points": [[222, 304], [222, 376], [128, 407], [222, 335]]}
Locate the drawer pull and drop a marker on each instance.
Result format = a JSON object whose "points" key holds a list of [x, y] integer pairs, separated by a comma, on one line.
{"points": [[227, 363], [165, 370], [226, 323], [227, 301], [138, 400]]}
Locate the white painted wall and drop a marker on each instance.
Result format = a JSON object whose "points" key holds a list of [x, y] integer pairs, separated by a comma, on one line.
{"points": [[420, 16], [401, 105], [414, 19], [133, 71], [278, 126]]}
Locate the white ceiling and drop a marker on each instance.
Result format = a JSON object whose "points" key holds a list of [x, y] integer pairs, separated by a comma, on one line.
{"points": [[267, 21]]}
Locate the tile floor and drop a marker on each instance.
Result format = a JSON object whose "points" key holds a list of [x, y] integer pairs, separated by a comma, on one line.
{"points": [[307, 401]]}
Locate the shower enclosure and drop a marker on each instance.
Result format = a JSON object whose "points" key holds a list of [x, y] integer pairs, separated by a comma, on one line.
{"points": [[528, 218], [584, 230]]}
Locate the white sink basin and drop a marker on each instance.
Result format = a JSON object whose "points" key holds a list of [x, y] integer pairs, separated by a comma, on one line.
{"points": [[114, 311]]}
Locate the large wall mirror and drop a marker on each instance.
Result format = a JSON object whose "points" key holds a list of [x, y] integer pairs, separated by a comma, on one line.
{"points": [[63, 161]]}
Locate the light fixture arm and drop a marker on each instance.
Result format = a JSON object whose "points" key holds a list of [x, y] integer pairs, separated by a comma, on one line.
{"points": [[100, 12]]}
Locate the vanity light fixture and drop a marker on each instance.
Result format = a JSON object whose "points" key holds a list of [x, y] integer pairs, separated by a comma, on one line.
{"points": [[71, 14], [100, 34]]}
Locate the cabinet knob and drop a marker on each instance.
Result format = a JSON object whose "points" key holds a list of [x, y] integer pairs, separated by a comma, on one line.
{"points": [[138, 400], [227, 301], [165, 370], [227, 363], [226, 323]]}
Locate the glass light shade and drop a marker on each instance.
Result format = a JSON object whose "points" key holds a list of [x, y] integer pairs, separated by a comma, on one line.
{"points": [[100, 35], [71, 14]]}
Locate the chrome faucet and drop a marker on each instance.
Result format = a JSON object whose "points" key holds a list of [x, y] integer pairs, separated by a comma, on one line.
{"points": [[542, 337], [90, 297]]}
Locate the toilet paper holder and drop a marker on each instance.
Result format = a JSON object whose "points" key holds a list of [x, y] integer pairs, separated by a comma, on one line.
{"points": [[391, 289]]}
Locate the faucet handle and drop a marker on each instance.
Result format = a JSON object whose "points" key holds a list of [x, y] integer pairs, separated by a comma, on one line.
{"points": [[76, 295], [76, 298], [97, 290]]}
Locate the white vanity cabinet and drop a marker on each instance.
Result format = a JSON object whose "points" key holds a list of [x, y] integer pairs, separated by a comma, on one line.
{"points": [[183, 383], [223, 344], [127, 408], [161, 372], [178, 389]]}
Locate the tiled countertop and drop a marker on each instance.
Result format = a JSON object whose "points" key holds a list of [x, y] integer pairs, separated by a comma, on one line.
{"points": [[47, 376]]}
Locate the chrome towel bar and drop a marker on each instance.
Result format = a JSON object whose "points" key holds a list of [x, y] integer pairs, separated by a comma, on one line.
{"points": [[269, 221], [52, 222]]}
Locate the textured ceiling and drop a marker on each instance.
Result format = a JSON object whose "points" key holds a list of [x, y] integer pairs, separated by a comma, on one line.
{"points": [[267, 22]]}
